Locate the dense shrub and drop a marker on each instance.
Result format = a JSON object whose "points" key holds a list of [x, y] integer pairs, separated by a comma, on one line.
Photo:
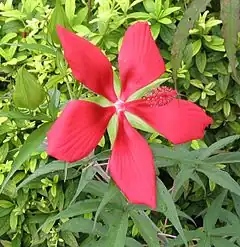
{"points": [[45, 202]]}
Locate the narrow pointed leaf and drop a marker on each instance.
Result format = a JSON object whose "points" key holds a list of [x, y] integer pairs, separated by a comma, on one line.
{"points": [[218, 145], [213, 212], [86, 177], [146, 227], [165, 204], [29, 146], [220, 177], [108, 196], [118, 231], [231, 26]]}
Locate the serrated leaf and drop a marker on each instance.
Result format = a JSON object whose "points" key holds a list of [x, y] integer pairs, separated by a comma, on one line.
{"points": [[213, 212], [29, 146], [28, 92], [231, 26], [201, 61], [181, 35], [218, 145], [220, 177], [165, 204], [86, 177]]}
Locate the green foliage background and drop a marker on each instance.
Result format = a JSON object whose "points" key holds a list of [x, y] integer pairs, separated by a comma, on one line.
{"points": [[44, 202]]}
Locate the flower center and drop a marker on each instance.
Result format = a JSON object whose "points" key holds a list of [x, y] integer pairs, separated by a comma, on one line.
{"points": [[160, 96], [119, 105]]}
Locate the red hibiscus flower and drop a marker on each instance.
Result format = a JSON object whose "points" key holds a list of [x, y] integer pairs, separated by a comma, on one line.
{"points": [[81, 125]]}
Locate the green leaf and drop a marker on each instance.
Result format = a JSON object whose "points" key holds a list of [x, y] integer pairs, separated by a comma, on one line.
{"points": [[6, 204], [108, 196], [223, 81], [4, 224], [201, 61], [4, 152], [29, 146], [222, 242], [79, 208], [165, 21], [213, 212], [165, 204], [146, 227], [169, 11], [79, 224], [70, 9], [58, 17], [38, 47], [69, 239], [196, 46], [218, 145], [131, 242], [158, 8], [229, 230], [184, 175], [224, 158], [226, 108], [28, 92], [81, 16], [20, 115], [139, 15], [60, 165], [181, 35], [117, 232], [149, 5], [230, 16], [236, 202], [86, 177], [13, 221], [220, 177]]}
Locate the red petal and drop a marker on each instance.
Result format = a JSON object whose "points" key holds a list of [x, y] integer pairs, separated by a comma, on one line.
{"points": [[131, 165], [89, 65], [179, 121], [139, 59], [78, 130]]}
